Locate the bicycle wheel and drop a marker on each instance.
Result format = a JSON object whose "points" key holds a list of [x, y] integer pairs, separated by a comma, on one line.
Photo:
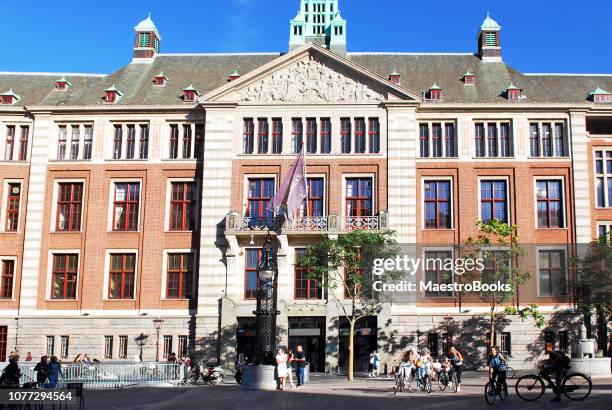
{"points": [[453, 381], [442, 382], [490, 393], [530, 387], [577, 386], [510, 373], [428, 384]]}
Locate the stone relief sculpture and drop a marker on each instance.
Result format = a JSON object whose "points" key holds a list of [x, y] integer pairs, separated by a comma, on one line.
{"points": [[309, 81]]}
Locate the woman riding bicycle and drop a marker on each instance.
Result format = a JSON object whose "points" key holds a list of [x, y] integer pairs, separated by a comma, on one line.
{"points": [[456, 360], [404, 374], [498, 363]]}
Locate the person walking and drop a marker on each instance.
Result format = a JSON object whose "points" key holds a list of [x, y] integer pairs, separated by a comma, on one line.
{"points": [[289, 368], [371, 365], [11, 373], [376, 372], [281, 367], [300, 362], [55, 372], [28, 357], [456, 360], [42, 371]]}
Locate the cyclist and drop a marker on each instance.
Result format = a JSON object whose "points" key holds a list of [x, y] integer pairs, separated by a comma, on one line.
{"points": [[404, 374], [557, 363], [497, 362], [456, 360]]}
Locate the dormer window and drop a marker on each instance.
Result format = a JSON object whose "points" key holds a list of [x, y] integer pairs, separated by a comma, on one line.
{"points": [[513, 93], [112, 94], [160, 79], [434, 93], [469, 78], [62, 84], [234, 76], [395, 77], [190, 93], [599, 95], [9, 98]]}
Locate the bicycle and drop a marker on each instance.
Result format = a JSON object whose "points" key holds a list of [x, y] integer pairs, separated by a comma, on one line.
{"points": [[400, 381], [424, 383], [447, 378], [510, 373], [575, 386], [494, 389]]}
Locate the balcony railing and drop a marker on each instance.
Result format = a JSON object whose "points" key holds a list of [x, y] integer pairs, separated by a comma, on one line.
{"points": [[320, 224]]}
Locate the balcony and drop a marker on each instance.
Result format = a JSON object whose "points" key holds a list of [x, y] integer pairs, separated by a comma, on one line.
{"points": [[331, 224]]}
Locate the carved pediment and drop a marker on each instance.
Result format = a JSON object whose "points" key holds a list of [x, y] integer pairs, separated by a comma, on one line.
{"points": [[309, 80]]}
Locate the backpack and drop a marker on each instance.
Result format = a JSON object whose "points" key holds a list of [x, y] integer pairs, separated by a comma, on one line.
{"points": [[564, 361]]}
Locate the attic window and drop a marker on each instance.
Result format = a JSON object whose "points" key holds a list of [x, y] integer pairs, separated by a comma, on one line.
{"points": [[112, 94], [434, 93], [599, 95], [62, 84], [190, 93], [234, 76], [9, 98], [469, 78], [395, 77], [160, 79]]}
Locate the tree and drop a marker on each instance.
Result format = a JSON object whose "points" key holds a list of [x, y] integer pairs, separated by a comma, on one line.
{"points": [[344, 265], [498, 247]]}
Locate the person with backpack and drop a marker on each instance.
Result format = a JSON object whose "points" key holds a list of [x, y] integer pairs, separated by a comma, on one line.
{"points": [[55, 371], [557, 363], [498, 364], [11, 373], [42, 371]]}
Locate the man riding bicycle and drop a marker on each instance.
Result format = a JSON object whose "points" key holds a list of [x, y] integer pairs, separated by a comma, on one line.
{"points": [[498, 363], [557, 363]]}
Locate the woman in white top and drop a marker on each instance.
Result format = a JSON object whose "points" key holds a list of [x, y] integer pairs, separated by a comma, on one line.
{"points": [[281, 367]]}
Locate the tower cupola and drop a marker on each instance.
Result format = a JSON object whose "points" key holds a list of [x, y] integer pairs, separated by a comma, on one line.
{"points": [[489, 44], [318, 21], [147, 40]]}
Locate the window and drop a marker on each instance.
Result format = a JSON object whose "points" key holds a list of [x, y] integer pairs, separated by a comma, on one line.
{"points": [[7, 279], [61, 142], [360, 139], [3, 342], [64, 276], [10, 142], [121, 276], [563, 341], [493, 201], [88, 142], [262, 136], [144, 40], [174, 140], [497, 142], [50, 346], [277, 136], [69, 204], [167, 349], [182, 206], [603, 178], [125, 206], [13, 199], [438, 205], [123, 347], [325, 135], [435, 272], [374, 135], [74, 142], [442, 142], [23, 143], [490, 39], [261, 191], [250, 273], [311, 135], [604, 231], [551, 272], [505, 343], [358, 198], [549, 337], [305, 288], [296, 135], [179, 276], [182, 345], [144, 142], [248, 137], [187, 137], [108, 347], [313, 205], [64, 346], [198, 149], [130, 145], [117, 142], [432, 343], [550, 203], [345, 135], [547, 139]]}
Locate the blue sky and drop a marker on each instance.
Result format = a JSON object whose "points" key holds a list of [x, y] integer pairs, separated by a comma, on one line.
{"points": [[86, 36]]}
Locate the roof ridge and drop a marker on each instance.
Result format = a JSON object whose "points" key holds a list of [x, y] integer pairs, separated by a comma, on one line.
{"points": [[403, 53], [52, 74], [570, 74], [272, 53]]}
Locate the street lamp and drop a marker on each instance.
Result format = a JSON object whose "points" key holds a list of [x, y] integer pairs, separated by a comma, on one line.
{"points": [[158, 323], [141, 340], [266, 311]]}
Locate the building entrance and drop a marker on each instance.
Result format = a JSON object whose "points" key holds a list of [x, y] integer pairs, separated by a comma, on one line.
{"points": [[309, 332], [365, 343]]}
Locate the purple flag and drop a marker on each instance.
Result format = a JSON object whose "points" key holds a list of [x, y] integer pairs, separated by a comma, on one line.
{"points": [[292, 191]]}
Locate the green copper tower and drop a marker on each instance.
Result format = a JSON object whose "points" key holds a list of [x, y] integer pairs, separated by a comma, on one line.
{"points": [[319, 21]]}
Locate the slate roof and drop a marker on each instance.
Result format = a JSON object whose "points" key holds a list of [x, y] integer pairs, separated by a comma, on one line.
{"points": [[209, 71]]}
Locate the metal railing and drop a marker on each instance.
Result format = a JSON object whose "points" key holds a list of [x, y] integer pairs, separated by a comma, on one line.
{"points": [[110, 375]]}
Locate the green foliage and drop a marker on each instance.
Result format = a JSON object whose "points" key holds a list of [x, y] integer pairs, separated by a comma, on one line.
{"points": [[531, 311]]}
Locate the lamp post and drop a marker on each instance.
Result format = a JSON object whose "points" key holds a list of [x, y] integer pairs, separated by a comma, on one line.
{"points": [[158, 323], [141, 340], [266, 311]]}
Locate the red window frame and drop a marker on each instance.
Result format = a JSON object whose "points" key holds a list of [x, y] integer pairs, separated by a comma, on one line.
{"points": [[174, 138], [12, 207], [311, 135], [374, 135], [187, 138], [122, 274], [547, 140], [345, 135], [248, 136], [117, 142], [10, 143], [130, 142], [130, 205], [23, 143], [64, 276], [277, 136], [437, 200], [75, 137], [359, 198], [436, 140], [179, 276], [258, 199], [87, 142], [360, 140], [480, 139], [304, 287], [3, 342], [325, 135], [189, 96], [7, 99], [7, 280], [70, 199], [313, 197], [435, 94], [493, 200], [424, 140], [182, 206], [250, 273], [61, 142], [110, 97], [297, 135], [263, 132], [144, 142], [547, 201]]}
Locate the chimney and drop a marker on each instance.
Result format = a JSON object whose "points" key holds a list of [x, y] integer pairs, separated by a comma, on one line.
{"points": [[489, 45]]}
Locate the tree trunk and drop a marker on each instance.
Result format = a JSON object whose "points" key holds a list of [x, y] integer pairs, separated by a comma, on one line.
{"points": [[492, 328], [351, 350]]}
